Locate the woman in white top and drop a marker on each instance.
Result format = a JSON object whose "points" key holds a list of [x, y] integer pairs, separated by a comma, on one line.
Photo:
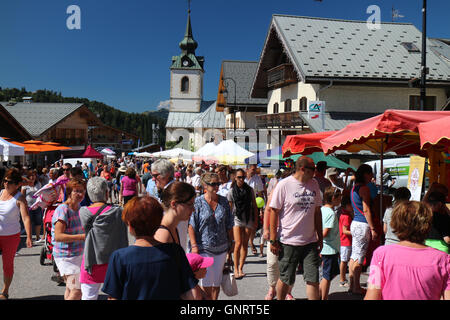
{"points": [[12, 206], [28, 190]]}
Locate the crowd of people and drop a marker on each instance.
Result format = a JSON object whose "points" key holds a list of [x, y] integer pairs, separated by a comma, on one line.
{"points": [[190, 222]]}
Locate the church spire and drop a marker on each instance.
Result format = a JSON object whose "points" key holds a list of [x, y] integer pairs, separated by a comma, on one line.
{"points": [[188, 44]]}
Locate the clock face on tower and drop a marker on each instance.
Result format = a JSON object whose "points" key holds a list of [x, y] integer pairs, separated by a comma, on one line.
{"points": [[185, 63]]}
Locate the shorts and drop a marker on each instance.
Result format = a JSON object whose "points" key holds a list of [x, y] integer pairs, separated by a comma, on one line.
{"points": [[214, 273], [360, 240], [36, 217], [242, 224], [330, 265], [346, 252], [291, 256], [70, 267]]}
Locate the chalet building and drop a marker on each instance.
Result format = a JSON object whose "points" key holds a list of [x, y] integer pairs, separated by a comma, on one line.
{"points": [[70, 124], [356, 71], [191, 121]]}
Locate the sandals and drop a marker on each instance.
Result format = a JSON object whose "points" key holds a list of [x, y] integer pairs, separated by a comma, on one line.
{"points": [[289, 297], [254, 251], [344, 284], [270, 295], [4, 296]]}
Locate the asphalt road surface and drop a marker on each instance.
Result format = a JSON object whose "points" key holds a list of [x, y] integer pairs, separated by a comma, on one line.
{"points": [[32, 280]]}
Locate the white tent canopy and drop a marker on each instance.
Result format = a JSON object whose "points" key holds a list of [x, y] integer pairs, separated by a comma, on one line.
{"points": [[174, 153], [226, 152], [9, 149], [205, 151], [144, 154], [107, 152]]}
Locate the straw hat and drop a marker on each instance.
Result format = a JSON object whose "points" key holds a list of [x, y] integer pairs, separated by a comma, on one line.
{"points": [[123, 168]]}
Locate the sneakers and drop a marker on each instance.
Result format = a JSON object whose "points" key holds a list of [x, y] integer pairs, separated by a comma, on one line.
{"points": [[40, 241]]}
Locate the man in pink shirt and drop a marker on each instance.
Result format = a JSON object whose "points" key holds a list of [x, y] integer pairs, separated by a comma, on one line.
{"points": [[296, 228]]}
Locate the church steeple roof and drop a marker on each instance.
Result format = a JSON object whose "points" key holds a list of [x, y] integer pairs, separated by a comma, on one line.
{"points": [[187, 59], [188, 44]]}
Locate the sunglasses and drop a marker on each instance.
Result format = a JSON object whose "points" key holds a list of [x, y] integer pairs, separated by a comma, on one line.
{"points": [[214, 184], [240, 177], [10, 181]]}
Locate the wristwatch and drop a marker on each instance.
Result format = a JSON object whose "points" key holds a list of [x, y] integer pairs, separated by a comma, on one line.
{"points": [[273, 241]]}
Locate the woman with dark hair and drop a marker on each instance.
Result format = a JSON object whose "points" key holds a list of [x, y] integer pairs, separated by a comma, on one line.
{"points": [[148, 270], [243, 204], [439, 236], [178, 203], [28, 190], [409, 270], [128, 186], [13, 205], [210, 232], [362, 227]]}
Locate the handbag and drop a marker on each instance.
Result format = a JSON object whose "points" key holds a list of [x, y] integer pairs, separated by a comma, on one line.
{"points": [[229, 285]]}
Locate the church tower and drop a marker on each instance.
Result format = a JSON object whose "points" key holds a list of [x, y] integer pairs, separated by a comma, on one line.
{"points": [[186, 75]]}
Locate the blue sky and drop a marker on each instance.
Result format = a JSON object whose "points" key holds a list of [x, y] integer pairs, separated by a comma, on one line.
{"points": [[122, 54]]}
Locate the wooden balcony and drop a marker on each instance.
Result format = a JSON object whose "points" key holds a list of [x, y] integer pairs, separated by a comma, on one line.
{"points": [[283, 120], [281, 76]]}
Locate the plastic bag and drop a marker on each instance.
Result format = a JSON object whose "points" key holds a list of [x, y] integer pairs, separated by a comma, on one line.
{"points": [[229, 285]]}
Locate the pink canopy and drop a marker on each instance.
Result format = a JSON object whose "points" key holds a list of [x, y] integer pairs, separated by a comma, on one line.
{"points": [[91, 153]]}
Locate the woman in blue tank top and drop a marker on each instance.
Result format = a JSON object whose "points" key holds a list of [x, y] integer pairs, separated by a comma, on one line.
{"points": [[362, 227]]}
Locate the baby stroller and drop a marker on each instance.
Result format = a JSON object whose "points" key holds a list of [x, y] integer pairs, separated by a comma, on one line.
{"points": [[47, 249]]}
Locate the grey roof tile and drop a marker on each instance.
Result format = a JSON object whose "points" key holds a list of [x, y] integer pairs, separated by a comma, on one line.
{"points": [[343, 48], [37, 117], [208, 117], [242, 72]]}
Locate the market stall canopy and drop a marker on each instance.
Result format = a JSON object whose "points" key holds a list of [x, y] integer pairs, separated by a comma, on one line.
{"points": [[205, 153], [331, 161], [304, 143], [394, 130], [36, 146], [9, 149], [144, 154], [230, 153], [435, 133], [91, 153], [108, 152], [174, 153]]}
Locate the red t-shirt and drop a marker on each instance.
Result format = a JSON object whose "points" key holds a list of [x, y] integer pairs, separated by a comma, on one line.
{"points": [[345, 220]]}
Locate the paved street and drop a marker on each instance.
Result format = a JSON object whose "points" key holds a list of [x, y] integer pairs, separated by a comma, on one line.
{"points": [[32, 281]]}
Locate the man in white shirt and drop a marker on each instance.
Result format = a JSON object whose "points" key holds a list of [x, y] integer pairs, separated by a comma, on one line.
{"points": [[196, 180]]}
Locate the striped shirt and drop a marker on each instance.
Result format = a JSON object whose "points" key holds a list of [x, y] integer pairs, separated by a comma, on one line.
{"points": [[73, 226]]}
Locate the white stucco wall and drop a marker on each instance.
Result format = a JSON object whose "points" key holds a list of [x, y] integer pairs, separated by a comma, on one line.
{"points": [[374, 99], [294, 92], [350, 98], [186, 101]]}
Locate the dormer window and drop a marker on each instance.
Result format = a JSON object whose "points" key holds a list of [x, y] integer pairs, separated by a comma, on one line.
{"points": [[185, 84]]}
